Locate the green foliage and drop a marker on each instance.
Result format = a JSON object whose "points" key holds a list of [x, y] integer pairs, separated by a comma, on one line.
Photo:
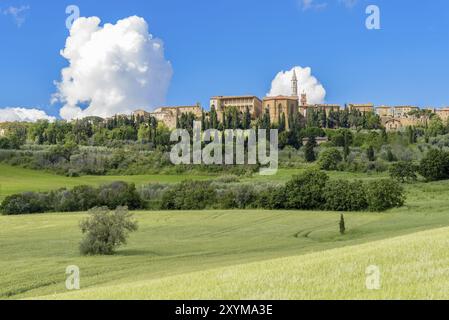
{"points": [[370, 153], [329, 159], [390, 157], [384, 194], [5, 143], [238, 197], [435, 165], [29, 202], [309, 149], [340, 137], [80, 198], [305, 191], [436, 127], [104, 231], [119, 194], [404, 171], [344, 195], [189, 195]]}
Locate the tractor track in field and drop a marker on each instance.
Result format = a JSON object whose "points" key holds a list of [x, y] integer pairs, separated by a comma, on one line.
{"points": [[231, 229], [307, 232]]}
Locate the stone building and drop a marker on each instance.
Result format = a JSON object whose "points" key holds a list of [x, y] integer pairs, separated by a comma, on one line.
{"points": [[328, 108], [363, 108], [222, 103], [398, 117], [179, 110], [393, 125], [281, 105], [168, 115], [403, 111], [443, 114], [384, 111], [287, 106]]}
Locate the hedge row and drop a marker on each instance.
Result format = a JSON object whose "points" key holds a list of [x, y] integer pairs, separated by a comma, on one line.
{"points": [[311, 190], [80, 198]]}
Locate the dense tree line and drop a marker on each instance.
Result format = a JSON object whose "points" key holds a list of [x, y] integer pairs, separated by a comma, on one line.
{"points": [[311, 190]]}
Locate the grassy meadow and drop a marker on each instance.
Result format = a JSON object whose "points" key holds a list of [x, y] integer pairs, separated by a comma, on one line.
{"points": [[229, 254], [16, 180]]}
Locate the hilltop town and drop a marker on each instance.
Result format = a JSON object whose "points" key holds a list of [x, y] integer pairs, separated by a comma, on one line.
{"points": [[392, 118], [284, 108]]}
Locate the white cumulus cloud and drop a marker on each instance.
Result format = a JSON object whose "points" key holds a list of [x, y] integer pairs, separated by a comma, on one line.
{"points": [[23, 115], [307, 83], [115, 68]]}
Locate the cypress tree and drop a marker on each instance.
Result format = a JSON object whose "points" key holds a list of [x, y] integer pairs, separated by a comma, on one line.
{"points": [[342, 225], [309, 151], [370, 154]]}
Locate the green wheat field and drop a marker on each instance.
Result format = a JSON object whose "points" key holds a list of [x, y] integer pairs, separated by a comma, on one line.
{"points": [[249, 254]]}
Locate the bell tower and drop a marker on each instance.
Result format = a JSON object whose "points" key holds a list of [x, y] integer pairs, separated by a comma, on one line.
{"points": [[294, 84], [304, 99]]}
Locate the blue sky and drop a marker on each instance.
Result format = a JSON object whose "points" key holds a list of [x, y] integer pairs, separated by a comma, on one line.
{"points": [[232, 47]]}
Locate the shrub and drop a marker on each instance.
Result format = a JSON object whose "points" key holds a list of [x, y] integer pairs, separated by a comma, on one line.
{"points": [[105, 230], [272, 198], [404, 171], [435, 165], [305, 191], [152, 194], [344, 195], [235, 196], [189, 195], [119, 194], [5, 143], [29, 202], [80, 198], [390, 156], [384, 194], [329, 159]]}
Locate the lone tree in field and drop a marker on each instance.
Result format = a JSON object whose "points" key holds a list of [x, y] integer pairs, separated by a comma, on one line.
{"points": [[342, 225], [106, 230]]}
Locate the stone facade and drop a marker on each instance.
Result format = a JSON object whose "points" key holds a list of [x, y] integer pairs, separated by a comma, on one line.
{"points": [[443, 114], [168, 115], [393, 125], [327, 107], [399, 117], [179, 110], [404, 111], [364, 108], [221, 104], [276, 106], [384, 111]]}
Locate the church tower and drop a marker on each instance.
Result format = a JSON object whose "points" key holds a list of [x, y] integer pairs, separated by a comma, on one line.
{"points": [[294, 84], [304, 99]]}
